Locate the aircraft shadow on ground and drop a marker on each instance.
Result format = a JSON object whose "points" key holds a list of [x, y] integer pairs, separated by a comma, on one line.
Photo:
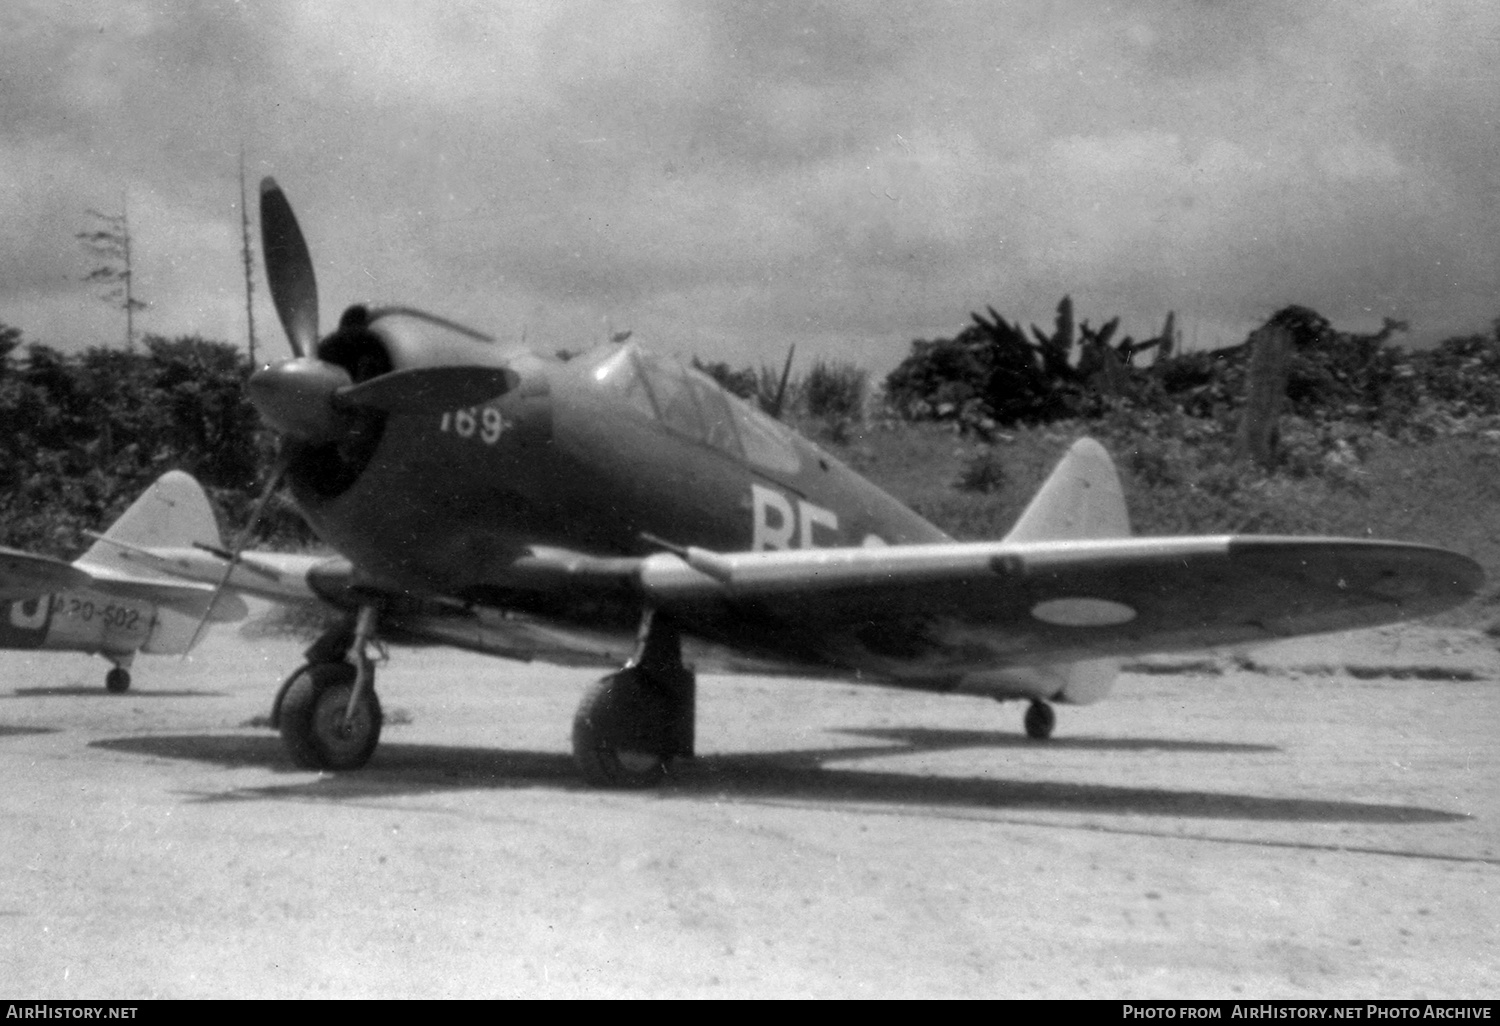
{"points": [[799, 775], [7, 731], [97, 691], [938, 738]]}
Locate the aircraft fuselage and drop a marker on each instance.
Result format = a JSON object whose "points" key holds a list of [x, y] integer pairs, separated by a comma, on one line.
{"points": [[78, 621], [576, 458]]}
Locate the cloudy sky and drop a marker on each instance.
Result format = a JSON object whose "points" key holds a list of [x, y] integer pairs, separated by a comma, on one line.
{"points": [[726, 178]]}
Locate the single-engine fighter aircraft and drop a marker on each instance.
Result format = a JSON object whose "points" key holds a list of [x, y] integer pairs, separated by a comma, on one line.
{"points": [[618, 508], [103, 604]]}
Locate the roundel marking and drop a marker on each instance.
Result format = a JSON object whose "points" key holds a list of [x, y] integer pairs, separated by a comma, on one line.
{"points": [[1083, 612]]}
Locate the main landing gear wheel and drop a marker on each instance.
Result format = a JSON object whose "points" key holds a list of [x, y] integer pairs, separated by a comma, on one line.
{"points": [[617, 732], [117, 681], [312, 719], [1039, 721], [286, 685], [633, 723]]}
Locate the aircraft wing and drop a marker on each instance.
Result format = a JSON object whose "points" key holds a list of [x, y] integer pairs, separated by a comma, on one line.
{"points": [[933, 609], [929, 611], [25, 576], [280, 577]]}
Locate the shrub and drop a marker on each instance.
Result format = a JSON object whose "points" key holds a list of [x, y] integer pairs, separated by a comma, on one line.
{"points": [[983, 472], [88, 433]]}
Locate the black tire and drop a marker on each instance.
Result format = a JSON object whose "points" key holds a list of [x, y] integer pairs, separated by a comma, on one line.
{"points": [[1040, 720], [117, 681], [280, 699], [618, 734], [312, 724]]}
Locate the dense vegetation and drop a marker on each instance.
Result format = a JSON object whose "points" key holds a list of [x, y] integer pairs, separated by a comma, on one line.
{"points": [[992, 375], [1352, 404], [85, 434]]}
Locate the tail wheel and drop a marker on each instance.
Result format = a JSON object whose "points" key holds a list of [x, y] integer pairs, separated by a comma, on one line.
{"points": [[117, 681], [1040, 719], [619, 733], [312, 720]]}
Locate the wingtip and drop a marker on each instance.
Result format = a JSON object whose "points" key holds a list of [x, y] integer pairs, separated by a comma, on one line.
{"points": [[1421, 579]]}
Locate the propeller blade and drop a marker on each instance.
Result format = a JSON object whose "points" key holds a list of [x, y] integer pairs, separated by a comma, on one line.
{"points": [[427, 389], [232, 557], [289, 269]]}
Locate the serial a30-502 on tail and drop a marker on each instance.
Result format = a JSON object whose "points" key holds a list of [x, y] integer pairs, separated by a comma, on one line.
{"points": [[107, 603], [620, 509]]}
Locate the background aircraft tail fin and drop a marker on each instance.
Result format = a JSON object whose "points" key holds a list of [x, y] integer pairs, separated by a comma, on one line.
{"points": [[1081, 499], [173, 513]]}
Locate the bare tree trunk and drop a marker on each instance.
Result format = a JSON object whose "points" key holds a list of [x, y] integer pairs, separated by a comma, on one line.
{"points": [[1264, 393], [249, 262], [129, 293]]}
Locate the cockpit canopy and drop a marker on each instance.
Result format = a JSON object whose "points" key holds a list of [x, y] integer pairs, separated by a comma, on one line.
{"points": [[690, 403]]}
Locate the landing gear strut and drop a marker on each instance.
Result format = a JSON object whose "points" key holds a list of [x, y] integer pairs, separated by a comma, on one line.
{"points": [[327, 712], [632, 723], [1040, 719]]}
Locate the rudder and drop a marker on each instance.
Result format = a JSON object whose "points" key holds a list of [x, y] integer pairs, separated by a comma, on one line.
{"points": [[1081, 498]]}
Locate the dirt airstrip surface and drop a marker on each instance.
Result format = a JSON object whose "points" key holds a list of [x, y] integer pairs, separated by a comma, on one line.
{"points": [[1317, 819]]}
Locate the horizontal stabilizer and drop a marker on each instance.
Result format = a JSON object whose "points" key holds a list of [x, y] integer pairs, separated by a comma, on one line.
{"points": [[189, 599]]}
